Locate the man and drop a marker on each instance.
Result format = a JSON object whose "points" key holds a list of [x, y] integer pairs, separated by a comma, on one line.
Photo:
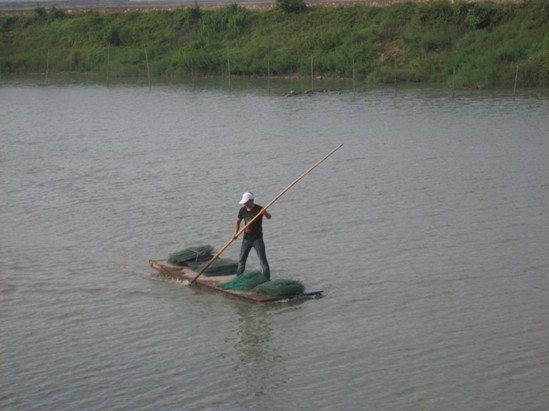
{"points": [[253, 234]]}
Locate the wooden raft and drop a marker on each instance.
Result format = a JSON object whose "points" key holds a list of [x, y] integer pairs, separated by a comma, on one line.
{"points": [[211, 283]]}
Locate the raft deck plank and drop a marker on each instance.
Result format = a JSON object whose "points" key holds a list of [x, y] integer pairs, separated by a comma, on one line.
{"points": [[211, 283]]}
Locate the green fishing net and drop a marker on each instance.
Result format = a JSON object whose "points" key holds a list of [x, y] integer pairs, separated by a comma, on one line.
{"points": [[255, 281], [197, 257], [191, 254], [247, 281], [281, 288], [221, 266]]}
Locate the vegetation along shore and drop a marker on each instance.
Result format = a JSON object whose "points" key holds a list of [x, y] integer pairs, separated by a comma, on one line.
{"points": [[462, 44]]}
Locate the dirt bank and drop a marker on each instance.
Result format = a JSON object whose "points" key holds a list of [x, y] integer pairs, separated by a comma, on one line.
{"points": [[26, 7]]}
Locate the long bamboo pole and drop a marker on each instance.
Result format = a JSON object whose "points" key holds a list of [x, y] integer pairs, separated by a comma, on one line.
{"points": [[270, 203]]}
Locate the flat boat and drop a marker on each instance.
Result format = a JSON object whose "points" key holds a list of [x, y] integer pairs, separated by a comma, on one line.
{"points": [[184, 273]]}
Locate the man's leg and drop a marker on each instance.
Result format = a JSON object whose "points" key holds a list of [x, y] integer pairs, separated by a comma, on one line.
{"points": [[244, 251], [259, 246]]}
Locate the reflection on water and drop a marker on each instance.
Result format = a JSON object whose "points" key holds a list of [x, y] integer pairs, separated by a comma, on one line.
{"points": [[259, 363]]}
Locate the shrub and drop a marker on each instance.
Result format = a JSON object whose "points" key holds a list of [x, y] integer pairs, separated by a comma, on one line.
{"points": [[40, 13], [536, 69], [291, 6], [113, 36], [435, 13], [537, 11], [56, 14], [195, 13], [480, 16]]}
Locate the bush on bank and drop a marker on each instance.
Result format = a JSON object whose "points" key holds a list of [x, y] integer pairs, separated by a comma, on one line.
{"points": [[465, 44]]}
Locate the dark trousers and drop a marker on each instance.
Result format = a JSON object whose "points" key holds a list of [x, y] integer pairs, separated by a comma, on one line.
{"points": [[259, 247]]}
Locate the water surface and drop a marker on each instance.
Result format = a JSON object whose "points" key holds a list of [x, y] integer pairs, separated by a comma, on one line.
{"points": [[428, 232]]}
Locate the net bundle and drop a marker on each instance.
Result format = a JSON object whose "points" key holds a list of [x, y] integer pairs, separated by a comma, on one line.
{"points": [[281, 288], [221, 266], [197, 257], [191, 255], [247, 281], [255, 281]]}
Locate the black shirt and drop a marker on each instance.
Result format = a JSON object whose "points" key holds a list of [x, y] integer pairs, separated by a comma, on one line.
{"points": [[255, 230]]}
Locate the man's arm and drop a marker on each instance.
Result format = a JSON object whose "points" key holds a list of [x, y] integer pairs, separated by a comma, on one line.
{"points": [[236, 226], [266, 213]]}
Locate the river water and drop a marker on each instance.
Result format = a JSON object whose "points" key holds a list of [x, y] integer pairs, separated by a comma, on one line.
{"points": [[428, 233]]}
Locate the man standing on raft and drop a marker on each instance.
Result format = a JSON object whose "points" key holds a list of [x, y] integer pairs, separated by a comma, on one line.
{"points": [[253, 235]]}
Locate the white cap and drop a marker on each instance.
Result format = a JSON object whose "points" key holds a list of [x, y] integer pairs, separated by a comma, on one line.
{"points": [[247, 196]]}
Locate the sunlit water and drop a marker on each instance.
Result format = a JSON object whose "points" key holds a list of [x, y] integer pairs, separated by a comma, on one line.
{"points": [[428, 232]]}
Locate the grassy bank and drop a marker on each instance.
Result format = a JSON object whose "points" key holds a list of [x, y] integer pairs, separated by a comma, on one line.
{"points": [[461, 44]]}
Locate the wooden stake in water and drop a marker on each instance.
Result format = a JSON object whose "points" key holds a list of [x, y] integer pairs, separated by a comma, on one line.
{"points": [[395, 73], [108, 63], [47, 63], [354, 76], [516, 78], [312, 75], [229, 69], [269, 75], [453, 81], [148, 68]]}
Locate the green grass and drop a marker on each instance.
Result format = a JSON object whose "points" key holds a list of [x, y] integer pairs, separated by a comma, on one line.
{"points": [[466, 44]]}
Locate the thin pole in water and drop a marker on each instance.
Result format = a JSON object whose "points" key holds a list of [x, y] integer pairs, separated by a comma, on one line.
{"points": [[516, 78], [354, 87], [312, 75], [108, 63], [47, 64], [453, 80], [229, 69], [395, 73], [148, 68], [297, 180]]}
